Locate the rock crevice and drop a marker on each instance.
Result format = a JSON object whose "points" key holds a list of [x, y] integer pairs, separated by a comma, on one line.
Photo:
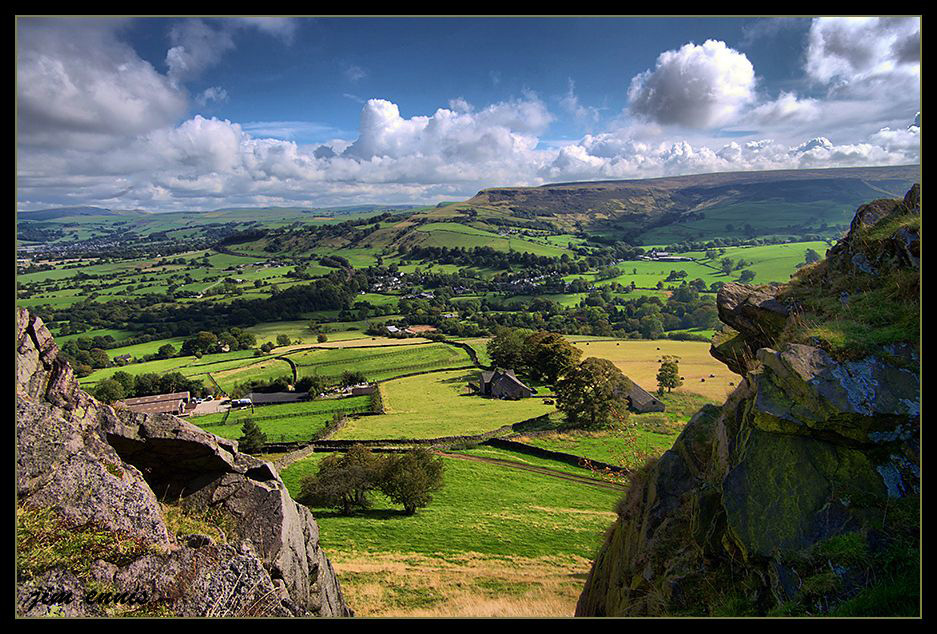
{"points": [[806, 451], [92, 465]]}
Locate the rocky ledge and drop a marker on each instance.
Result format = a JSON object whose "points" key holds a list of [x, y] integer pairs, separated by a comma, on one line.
{"points": [[95, 468], [800, 495]]}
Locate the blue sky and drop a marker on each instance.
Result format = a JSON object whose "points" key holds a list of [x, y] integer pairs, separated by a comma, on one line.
{"points": [[168, 114]]}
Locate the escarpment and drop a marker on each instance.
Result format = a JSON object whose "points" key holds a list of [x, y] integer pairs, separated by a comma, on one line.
{"points": [[126, 503], [800, 495]]}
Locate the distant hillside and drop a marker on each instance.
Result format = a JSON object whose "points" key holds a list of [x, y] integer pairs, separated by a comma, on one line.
{"points": [[701, 206], [61, 212]]}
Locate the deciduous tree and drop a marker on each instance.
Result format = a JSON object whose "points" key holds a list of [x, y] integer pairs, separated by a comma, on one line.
{"points": [[593, 394], [668, 376], [410, 478]]}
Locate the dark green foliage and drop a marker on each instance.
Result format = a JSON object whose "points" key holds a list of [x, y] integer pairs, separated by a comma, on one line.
{"points": [[109, 391], [343, 480], [313, 384], [410, 478], [352, 377], [548, 356], [593, 394], [507, 348], [252, 439]]}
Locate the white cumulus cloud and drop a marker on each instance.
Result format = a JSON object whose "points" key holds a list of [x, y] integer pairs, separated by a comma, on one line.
{"points": [[78, 84], [862, 53], [697, 86]]}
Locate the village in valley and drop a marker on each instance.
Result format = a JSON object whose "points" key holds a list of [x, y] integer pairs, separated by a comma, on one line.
{"points": [[326, 317]]}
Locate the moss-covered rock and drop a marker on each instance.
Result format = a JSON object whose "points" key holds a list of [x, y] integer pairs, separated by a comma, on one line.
{"points": [[799, 496]]}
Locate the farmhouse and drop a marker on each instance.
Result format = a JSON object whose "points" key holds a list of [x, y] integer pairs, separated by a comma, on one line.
{"points": [[174, 403], [500, 383]]}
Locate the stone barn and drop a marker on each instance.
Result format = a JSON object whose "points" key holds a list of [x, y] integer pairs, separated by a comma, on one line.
{"points": [[503, 384], [641, 401]]}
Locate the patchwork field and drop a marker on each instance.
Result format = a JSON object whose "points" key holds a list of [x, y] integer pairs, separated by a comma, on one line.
{"points": [[527, 541], [638, 359], [265, 370], [379, 363], [439, 404], [289, 422]]}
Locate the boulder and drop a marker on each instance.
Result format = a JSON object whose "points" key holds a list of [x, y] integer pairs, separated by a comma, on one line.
{"points": [[755, 312], [802, 390], [780, 497], [98, 467]]}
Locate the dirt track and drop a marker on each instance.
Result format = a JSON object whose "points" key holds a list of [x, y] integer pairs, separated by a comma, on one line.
{"points": [[601, 484]]}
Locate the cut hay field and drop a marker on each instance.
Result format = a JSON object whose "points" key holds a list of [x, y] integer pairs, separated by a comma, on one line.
{"points": [[520, 549], [439, 404], [366, 341], [638, 359]]}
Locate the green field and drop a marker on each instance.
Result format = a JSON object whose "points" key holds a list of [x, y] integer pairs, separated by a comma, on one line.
{"points": [[188, 366], [520, 514], [615, 448], [379, 363], [289, 422], [454, 235], [264, 370], [440, 404], [768, 217]]}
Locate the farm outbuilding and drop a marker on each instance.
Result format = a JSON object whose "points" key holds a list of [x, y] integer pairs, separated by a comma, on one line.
{"points": [[641, 401], [503, 384]]}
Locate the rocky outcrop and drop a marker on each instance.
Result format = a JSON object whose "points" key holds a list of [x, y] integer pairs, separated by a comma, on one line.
{"points": [[756, 318], [101, 469], [786, 499], [855, 254]]}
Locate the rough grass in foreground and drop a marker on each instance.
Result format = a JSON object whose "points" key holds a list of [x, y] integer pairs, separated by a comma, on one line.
{"points": [[493, 542], [853, 316], [45, 541], [470, 585]]}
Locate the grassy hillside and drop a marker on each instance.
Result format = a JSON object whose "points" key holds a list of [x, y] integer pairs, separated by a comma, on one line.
{"points": [[521, 549]]}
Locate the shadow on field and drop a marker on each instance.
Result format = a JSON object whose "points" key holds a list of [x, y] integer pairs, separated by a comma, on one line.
{"points": [[459, 379], [373, 514]]}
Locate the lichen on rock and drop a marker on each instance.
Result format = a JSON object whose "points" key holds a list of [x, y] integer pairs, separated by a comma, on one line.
{"points": [[98, 469], [809, 449]]}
